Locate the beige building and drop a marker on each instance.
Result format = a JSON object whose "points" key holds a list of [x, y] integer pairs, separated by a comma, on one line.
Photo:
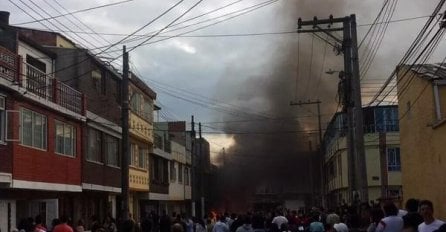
{"points": [[141, 141], [381, 141], [422, 98]]}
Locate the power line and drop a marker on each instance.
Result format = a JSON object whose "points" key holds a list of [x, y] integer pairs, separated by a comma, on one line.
{"points": [[73, 12], [243, 11], [373, 24], [63, 25], [408, 53], [112, 45], [168, 25], [288, 32], [377, 41]]}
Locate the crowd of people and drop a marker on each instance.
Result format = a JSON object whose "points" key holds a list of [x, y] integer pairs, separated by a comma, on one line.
{"points": [[418, 216]]}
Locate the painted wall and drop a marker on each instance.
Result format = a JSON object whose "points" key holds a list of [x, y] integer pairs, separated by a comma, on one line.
{"points": [[31, 164], [422, 146], [337, 156]]}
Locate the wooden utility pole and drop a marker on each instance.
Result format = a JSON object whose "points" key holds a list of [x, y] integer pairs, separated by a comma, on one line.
{"points": [[125, 161], [348, 46]]}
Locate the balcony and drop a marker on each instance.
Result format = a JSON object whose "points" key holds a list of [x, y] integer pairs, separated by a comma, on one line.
{"points": [[44, 86]]}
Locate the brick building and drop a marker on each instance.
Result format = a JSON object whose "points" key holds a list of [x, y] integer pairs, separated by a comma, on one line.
{"points": [[41, 122]]}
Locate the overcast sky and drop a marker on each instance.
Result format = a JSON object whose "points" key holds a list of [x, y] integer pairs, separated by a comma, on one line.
{"points": [[219, 67]]}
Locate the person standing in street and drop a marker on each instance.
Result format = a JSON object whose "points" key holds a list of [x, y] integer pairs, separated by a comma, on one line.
{"points": [[412, 219], [316, 225], [221, 225], [279, 219], [392, 222], [427, 212], [63, 226]]}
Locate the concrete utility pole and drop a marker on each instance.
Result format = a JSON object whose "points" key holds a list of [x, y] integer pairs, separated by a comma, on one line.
{"points": [[321, 171], [193, 171], [202, 170], [348, 46], [125, 161]]}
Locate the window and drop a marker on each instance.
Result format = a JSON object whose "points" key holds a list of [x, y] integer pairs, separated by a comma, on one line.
{"points": [[180, 172], [173, 172], [94, 150], [98, 78], [393, 159], [2, 119], [186, 175], [143, 151], [135, 102], [134, 154], [148, 110], [36, 63], [65, 139], [386, 119], [112, 150], [33, 129]]}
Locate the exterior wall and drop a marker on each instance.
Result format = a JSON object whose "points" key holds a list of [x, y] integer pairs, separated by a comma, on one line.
{"points": [[178, 190], [29, 162], [62, 42], [422, 145], [337, 171], [99, 176], [81, 79], [6, 148], [139, 179], [140, 128], [25, 49]]}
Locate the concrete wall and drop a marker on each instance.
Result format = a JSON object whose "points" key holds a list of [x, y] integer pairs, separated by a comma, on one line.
{"points": [[31, 164], [422, 146], [337, 156]]}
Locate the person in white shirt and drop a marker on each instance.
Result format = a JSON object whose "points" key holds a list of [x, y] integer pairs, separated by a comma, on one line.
{"points": [[392, 222], [221, 225], [427, 212], [279, 220]]}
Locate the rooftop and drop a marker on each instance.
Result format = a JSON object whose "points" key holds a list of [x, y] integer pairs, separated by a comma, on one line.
{"points": [[430, 71]]}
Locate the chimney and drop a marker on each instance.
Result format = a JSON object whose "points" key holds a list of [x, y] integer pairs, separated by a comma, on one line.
{"points": [[4, 17]]}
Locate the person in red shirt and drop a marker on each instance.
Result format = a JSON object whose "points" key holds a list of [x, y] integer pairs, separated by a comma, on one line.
{"points": [[39, 225], [63, 226]]}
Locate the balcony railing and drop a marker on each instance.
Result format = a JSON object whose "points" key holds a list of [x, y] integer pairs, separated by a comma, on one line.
{"points": [[41, 84], [38, 82]]}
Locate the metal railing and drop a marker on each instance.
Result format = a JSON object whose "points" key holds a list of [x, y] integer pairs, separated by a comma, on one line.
{"points": [[38, 82], [68, 97], [8, 65], [42, 84]]}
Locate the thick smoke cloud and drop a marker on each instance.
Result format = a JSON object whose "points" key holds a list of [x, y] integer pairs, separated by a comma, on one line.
{"points": [[277, 155]]}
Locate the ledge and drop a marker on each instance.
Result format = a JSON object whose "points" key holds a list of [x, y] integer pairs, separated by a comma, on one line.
{"points": [[438, 123]]}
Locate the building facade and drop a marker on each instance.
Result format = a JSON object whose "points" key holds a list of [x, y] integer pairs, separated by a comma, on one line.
{"points": [[40, 134], [423, 132], [141, 142], [382, 150]]}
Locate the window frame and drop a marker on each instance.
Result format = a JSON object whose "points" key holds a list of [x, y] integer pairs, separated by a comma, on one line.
{"points": [[44, 132], [100, 146], [107, 139], [73, 138], [2, 119], [187, 175], [180, 173], [393, 157], [172, 172]]}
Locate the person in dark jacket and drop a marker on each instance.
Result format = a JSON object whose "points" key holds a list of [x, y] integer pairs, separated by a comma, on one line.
{"points": [[412, 219]]}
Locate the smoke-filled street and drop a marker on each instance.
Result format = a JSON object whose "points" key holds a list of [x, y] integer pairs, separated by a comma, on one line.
{"points": [[222, 116]]}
